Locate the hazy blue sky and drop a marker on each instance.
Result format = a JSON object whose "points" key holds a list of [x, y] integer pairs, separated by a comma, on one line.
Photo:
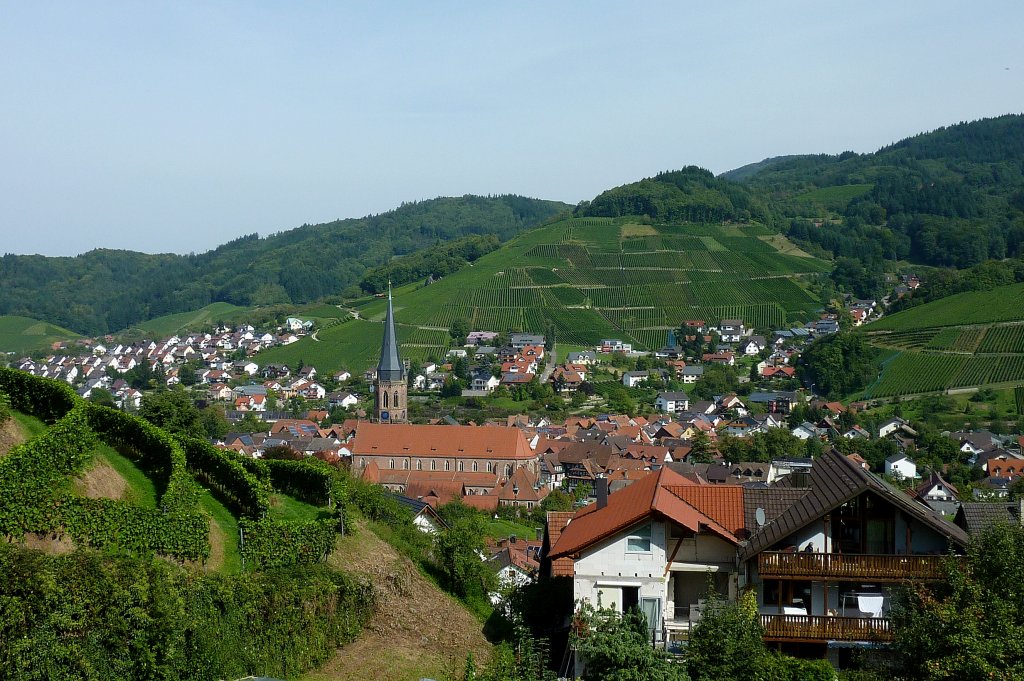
{"points": [[178, 126]]}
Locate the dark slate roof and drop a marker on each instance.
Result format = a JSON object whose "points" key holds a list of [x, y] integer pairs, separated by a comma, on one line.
{"points": [[418, 506], [390, 367], [834, 481], [976, 516], [774, 500]]}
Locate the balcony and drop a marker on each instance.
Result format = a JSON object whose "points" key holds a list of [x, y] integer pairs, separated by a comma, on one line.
{"points": [[811, 628], [773, 564]]}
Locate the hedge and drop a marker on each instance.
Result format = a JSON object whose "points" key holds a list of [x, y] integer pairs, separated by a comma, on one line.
{"points": [[154, 449], [44, 398], [34, 475], [242, 491], [106, 522], [271, 543], [86, 615]]}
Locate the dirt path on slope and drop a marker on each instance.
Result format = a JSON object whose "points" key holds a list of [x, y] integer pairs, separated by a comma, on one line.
{"points": [[418, 630], [11, 435]]}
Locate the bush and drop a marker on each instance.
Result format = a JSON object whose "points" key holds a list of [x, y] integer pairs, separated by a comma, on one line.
{"points": [[85, 615]]}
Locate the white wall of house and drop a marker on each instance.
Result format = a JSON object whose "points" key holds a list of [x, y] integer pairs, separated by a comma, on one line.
{"points": [[608, 567]]}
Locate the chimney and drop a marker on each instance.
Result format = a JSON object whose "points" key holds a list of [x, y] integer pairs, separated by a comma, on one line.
{"points": [[601, 491]]}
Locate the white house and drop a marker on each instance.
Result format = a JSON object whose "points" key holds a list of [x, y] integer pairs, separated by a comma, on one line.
{"points": [[631, 379], [900, 466], [672, 402], [732, 330], [655, 544], [691, 373]]}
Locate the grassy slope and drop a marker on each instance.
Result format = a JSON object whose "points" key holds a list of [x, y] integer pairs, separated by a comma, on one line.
{"points": [[418, 631], [21, 335], [960, 342], [591, 278], [194, 320]]}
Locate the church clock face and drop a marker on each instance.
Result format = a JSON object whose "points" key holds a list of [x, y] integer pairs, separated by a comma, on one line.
{"points": [[385, 416]]}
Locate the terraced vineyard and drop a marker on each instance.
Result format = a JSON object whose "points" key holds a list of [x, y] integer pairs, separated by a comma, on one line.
{"points": [[963, 341], [589, 279]]}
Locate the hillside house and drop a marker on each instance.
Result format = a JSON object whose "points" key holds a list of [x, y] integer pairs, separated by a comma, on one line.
{"points": [[654, 544], [732, 330], [900, 466], [824, 563], [672, 402]]}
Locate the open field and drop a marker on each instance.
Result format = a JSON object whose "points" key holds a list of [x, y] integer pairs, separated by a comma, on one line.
{"points": [[22, 335], [192, 321]]}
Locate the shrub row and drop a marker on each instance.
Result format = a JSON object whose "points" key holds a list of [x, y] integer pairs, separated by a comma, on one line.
{"points": [[35, 478], [84, 615], [106, 522], [156, 451], [310, 480], [229, 474], [34, 475], [271, 543], [43, 398]]}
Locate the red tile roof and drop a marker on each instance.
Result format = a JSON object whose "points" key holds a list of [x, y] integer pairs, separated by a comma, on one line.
{"points": [[400, 439], [647, 497], [722, 503]]}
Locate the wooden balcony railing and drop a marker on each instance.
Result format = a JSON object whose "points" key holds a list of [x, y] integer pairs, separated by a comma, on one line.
{"points": [[846, 565], [817, 628]]}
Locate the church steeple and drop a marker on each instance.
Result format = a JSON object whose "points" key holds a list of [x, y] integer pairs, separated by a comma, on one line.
{"points": [[390, 387], [390, 366]]}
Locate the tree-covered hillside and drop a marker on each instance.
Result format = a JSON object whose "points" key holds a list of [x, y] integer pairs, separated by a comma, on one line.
{"points": [[688, 195], [952, 197], [107, 290]]}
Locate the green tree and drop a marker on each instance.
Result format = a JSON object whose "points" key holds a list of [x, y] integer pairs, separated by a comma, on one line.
{"points": [[726, 643], [617, 647], [971, 626], [174, 411], [458, 551], [102, 397], [5, 407], [459, 330], [215, 425], [702, 450]]}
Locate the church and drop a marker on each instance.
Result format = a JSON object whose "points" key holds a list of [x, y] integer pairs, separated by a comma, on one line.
{"points": [[391, 387], [395, 444]]}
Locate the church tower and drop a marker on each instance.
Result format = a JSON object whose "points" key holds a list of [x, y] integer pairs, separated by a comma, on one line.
{"points": [[391, 390]]}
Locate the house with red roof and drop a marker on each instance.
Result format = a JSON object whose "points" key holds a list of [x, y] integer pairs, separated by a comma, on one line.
{"points": [[655, 544]]}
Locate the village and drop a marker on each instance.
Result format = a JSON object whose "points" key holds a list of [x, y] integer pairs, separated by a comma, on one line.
{"points": [[765, 486]]}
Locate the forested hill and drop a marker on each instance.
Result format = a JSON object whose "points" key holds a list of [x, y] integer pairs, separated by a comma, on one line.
{"points": [[952, 197], [108, 290], [688, 195]]}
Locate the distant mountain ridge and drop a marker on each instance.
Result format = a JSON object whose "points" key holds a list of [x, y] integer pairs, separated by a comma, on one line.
{"points": [[107, 290]]}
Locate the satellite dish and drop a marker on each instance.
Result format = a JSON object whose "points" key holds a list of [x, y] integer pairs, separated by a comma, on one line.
{"points": [[759, 516]]}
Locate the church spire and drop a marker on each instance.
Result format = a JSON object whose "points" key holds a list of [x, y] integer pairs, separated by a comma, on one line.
{"points": [[390, 367]]}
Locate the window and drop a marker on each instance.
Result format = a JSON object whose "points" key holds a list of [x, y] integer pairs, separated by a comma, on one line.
{"points": [[508, 470], [392, 463], [447, 465], [489, 467], [405, 464], [475, 467], [640, 540], [462, 466], [384, 399], [419, 465], [433, 465]]}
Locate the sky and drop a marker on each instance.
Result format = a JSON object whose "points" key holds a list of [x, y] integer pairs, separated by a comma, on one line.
{"points": [[178, 126]]}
